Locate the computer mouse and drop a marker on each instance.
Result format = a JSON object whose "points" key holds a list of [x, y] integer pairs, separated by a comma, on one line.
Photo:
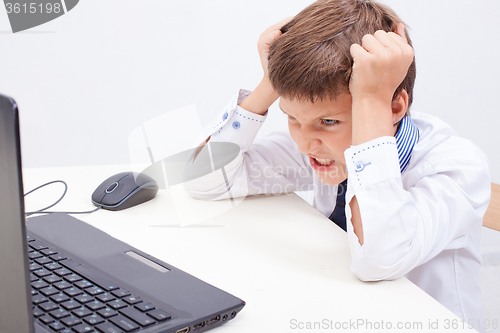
{"points": [[124, 190]]}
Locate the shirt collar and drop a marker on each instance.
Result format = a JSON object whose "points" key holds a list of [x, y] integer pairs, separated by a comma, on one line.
{"points": [[406, 138]]}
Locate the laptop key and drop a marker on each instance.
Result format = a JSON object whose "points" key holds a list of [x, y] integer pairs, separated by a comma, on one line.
{"points": [[106, 297], [145, 307], [108, 328], [107, 312], [49, 291], [59, 298], [34, 255], [48, 306], [57, 257], [83, 284], [43, 260], [42, 272], [46, 319], [48, 252], [71, 321], [34, 266], [72, 278], [39, 284], [37, 299], [72, 292], [94, 291], [59, 313], [137, 316], [83, 328], [63, 272], [95, 305], [132, 299], [81, 312], [159, 315], [93, 319], [52, 278], [37, 312], [124, 323], [84, 298], [52, 266], [120, 293], [118, 304], [57, 326], [37, 245], [62, 285], [70, 305]]}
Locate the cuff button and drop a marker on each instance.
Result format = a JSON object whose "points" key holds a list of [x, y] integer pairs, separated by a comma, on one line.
{"points": [[360, 166]]}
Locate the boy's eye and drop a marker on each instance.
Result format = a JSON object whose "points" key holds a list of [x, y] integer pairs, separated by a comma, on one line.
{"points": [[329, 122]]}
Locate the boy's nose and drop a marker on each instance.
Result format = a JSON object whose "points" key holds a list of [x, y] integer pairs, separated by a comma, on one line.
{"points": [[308, 141]]}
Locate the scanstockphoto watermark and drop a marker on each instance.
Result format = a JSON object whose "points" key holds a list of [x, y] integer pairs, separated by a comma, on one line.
{"points": [[280, 179], [384, 325], [26, 14], [353, 324], [268, 188]]}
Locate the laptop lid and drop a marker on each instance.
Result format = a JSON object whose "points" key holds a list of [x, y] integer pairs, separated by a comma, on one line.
{"points": [[15, 303]]}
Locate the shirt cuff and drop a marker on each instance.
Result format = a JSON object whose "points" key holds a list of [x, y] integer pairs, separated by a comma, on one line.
{"points": [[236, 124], [367, 164], [372, 162]]}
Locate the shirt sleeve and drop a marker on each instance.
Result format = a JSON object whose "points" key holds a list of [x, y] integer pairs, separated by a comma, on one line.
{"points": [[404, 228], [271, 165]]}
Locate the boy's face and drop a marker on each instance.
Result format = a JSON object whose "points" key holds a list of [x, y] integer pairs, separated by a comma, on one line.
{"points": [[323, 131]]}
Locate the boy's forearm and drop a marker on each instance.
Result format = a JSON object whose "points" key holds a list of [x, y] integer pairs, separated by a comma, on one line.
{"points": [[371, 119], [257, 102], [261, 98]]}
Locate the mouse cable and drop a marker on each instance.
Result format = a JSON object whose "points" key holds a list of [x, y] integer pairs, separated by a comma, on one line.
{"points": [[43, 210]]}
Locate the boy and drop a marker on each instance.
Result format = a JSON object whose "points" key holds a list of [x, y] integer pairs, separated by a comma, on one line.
{"points": [[416, 193]]}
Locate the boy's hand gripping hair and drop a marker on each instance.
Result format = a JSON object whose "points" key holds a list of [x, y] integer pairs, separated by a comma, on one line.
{"points": [[264, 94], [380, 64], [266, 39]]}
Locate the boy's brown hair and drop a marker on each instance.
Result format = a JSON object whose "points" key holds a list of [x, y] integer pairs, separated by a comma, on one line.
{"points": [[312, 59]]}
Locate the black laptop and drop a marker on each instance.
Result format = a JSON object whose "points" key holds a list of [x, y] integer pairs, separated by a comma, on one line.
{"points": [[59, 274]]}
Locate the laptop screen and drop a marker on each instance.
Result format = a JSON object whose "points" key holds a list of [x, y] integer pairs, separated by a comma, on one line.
{"points": [[15, 300]]}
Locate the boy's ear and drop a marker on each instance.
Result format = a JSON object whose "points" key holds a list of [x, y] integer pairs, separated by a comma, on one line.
{"points": [[399, 106]]}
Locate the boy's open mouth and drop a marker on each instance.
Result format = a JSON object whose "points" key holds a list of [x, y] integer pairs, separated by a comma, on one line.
{"points": [[321, 164], [324, 162]]}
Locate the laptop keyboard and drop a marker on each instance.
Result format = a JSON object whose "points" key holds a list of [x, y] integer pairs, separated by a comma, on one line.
{"points": [[68, 297]]}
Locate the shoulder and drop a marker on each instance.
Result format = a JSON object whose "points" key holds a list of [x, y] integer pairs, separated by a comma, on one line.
{"points": [[441, 150], [439, 142]]}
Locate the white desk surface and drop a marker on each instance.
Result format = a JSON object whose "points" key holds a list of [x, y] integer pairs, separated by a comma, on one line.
{"points": [[287, 261]]}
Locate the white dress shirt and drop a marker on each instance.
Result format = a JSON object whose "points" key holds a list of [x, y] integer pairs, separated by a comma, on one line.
{"points": [[424, 223]]}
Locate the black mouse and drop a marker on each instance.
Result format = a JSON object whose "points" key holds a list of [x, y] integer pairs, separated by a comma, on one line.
{"points": [[124, 190]]}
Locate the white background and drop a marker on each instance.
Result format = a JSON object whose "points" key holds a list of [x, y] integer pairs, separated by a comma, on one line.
{"points": [[86, 80]]}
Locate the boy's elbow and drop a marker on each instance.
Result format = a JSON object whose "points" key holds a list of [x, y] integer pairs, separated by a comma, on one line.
{"points": [[373, 273], [378, 266]]}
